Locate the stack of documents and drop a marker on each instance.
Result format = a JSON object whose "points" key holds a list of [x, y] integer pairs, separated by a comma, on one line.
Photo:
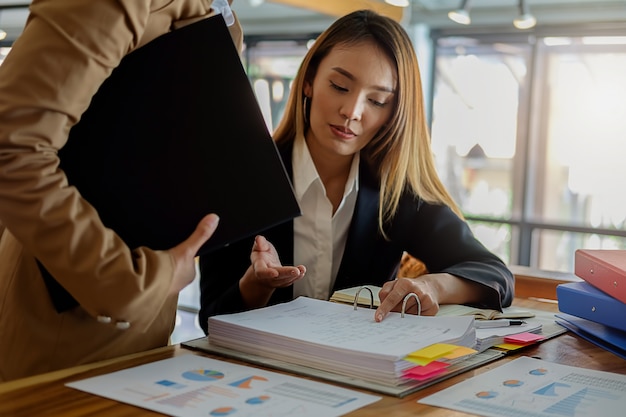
{"points": [[493, 336], [337, 338]]}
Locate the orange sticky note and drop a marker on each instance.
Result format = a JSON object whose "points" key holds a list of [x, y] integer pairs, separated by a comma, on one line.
{"points": [[459, 352]]}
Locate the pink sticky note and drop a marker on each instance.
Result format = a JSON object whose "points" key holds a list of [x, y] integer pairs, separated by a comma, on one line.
{"points": [[427, 371], [523, 338]]}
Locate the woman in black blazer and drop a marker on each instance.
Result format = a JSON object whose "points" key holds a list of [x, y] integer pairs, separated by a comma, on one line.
{"points": [[355, 141]]}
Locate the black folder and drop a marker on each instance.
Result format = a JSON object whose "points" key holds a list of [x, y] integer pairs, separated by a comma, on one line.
{"points": [[176, 133]]}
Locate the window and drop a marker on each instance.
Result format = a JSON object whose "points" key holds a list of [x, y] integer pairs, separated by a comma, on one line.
{"points": [[271, 65], [528, 134]]}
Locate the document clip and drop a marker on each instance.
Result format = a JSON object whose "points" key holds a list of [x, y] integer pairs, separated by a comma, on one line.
{"points": [[222, 7], [356, 297], [406, 299]]}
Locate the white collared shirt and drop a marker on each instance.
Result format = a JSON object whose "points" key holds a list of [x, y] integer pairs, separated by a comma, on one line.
{"points": [[319, 236]]}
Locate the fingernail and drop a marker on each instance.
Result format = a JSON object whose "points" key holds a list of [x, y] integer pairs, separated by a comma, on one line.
{"points": [[379, 317], [215, 220]]}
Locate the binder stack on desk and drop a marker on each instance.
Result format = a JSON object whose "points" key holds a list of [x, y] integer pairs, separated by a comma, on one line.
{"points": [[338, 338], [595, 307], [339, 343]]}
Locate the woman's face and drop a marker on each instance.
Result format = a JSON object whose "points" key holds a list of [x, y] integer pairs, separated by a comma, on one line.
{"points": [[351, 98]]}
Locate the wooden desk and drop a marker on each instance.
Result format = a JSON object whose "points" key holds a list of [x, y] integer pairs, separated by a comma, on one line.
{"points": [[46, 395]]}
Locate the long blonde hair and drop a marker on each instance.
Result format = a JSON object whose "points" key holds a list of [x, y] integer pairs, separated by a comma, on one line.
{"points": [[400, 153]]}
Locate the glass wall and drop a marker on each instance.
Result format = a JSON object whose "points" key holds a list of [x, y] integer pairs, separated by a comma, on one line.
{"points": [[480, 93], [271, 65], [528, 135]]}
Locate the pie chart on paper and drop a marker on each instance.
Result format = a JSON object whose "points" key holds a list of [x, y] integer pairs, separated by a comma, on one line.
{"points": [[203, 375]]}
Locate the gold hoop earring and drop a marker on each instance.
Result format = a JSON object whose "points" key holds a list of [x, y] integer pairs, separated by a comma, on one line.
{"points": [[306, 109]]}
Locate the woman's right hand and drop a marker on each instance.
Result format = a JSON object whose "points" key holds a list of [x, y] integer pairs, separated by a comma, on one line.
{"points": [[268, 271], [265, 274]]}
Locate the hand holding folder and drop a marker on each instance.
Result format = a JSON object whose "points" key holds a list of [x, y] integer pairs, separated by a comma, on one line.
{"points": [[173, 134], [176, 133]]}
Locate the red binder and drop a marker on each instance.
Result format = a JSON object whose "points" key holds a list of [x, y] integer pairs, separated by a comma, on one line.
{"points": [[605, 269]]}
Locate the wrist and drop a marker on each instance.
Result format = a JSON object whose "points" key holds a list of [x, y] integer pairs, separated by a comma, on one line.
{"points": [[252, 291]]}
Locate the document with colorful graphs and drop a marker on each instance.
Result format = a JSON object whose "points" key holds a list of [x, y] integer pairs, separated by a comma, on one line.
{"points": [[528, 387], [191, 385]]}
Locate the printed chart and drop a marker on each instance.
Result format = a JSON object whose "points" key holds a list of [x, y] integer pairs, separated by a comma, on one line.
{"points": [[528, 387], [191, 385]]}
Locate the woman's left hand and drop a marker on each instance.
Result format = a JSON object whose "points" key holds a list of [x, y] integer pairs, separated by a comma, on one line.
{"points": [[393, 292], [432, 290]]}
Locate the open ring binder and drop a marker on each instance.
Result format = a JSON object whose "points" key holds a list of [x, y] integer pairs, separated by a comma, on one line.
{"points": [[404, 302], [356, 297], [406, 299]]}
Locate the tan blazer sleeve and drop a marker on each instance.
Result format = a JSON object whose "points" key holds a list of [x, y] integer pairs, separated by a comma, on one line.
{"points": [[67, 49]]}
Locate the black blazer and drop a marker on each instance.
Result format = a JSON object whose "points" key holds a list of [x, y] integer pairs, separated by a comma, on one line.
{"points": [[431, 233]]}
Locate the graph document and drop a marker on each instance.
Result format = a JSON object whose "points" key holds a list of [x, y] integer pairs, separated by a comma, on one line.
{"points": [[190, 385], [528, 387]]}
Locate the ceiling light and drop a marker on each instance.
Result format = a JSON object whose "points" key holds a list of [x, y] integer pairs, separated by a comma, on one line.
{"points": [[256, 3], [461, 15], [525, 20], [399, 3]]}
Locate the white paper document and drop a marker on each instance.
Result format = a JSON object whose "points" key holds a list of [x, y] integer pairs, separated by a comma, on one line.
{"points": [[190, 386], [528, 387]]}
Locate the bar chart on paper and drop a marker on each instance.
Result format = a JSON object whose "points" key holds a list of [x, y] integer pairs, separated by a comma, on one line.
{"points": [[528, 387], [190, 385]]}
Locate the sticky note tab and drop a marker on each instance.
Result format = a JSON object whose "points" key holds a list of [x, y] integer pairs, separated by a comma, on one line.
{"points": [[434, 351], [421, 373], [439, 351], [460, 352], [510, 346], [523, 338]]}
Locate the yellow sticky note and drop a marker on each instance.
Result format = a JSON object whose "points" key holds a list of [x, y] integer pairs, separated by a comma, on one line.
{"points": [[418, 361], [433, 351], [509, 346]]}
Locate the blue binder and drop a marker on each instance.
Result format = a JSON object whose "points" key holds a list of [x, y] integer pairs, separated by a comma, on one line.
{"points": [[582, 299], [606, 337]]}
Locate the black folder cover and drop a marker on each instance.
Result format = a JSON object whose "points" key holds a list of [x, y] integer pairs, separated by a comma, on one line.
{"points": [[176, 133]]}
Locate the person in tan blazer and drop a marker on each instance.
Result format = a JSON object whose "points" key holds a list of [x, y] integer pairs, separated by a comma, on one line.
{"points": [[127, 298]]}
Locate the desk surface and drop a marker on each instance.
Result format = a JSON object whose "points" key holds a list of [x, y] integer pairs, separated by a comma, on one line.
{"points": [[46, 395]]}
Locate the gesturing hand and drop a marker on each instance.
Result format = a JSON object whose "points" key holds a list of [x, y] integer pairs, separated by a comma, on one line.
{"points": [[268, 271]]}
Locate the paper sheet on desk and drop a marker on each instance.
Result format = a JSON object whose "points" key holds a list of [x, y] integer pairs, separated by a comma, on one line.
{"points": [[191, 386], [535, 388]]}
